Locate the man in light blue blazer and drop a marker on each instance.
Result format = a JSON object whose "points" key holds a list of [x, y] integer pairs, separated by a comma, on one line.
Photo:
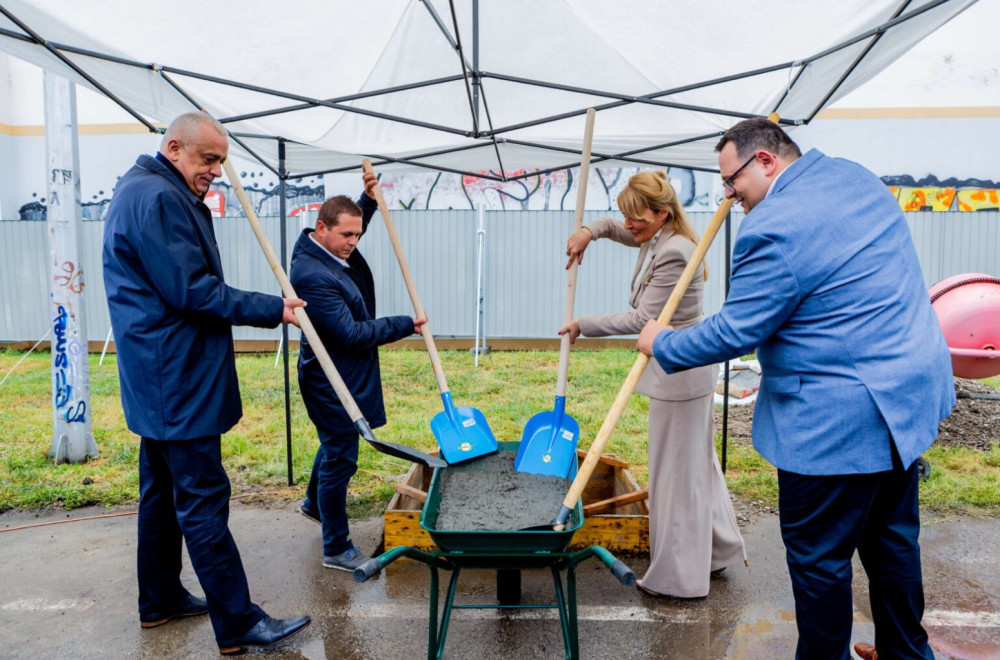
{"points": [[826, 287]]}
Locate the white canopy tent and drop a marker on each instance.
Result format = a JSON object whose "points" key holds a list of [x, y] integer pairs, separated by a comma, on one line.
{"points": [[493, 89], [489, 89]]}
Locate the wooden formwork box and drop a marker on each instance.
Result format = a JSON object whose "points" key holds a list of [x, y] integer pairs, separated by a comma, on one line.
{"points": [[616, 515]]}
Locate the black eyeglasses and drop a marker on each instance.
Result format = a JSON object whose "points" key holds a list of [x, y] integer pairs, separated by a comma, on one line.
{"points": [[728, 183]]}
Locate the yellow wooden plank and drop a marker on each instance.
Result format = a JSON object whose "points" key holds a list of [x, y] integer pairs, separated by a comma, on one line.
{"points": [[620, 534]]}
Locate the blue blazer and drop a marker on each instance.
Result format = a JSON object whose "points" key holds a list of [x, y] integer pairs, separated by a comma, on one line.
{"points": [[341, 306], [827, 288], [171, 311]]}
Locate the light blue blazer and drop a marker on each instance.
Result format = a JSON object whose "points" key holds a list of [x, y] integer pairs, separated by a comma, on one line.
{"points": [[827, 288]]}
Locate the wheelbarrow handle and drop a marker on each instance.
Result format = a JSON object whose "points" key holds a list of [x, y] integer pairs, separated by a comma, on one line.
{"points": [[369, 569], [624, 574], [374, 566], [618, 568]]}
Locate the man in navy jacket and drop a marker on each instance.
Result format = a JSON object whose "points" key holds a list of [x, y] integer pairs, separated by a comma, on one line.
{"points": [[172, 315], [826, 286], [332, 276]]}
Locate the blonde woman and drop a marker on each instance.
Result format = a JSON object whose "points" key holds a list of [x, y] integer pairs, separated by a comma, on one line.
{"points": [[692, 527]]}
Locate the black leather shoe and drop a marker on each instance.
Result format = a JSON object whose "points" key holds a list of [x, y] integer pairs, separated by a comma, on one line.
{"points": [[267, 632], [311, 514], [192, 606]]}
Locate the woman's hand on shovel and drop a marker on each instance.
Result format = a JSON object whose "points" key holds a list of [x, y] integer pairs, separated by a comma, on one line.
{"points": [[576, 244], [649, 333], [573, 329]]}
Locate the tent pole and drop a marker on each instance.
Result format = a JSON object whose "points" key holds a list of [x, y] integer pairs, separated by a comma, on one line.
{"points": [[475, 59], [104, 350], [284, 326], [465, 70]]}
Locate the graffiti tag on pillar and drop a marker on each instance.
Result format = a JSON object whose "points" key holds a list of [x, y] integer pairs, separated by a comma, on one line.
{"points": [[62, 378], [62, 176], [62, 390], [73, 278]]}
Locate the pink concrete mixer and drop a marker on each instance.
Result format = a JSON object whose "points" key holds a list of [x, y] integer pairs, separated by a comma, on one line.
{"points": [[968, 308]]}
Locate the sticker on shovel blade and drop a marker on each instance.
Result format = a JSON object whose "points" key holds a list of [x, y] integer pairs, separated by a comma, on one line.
{"points": [[469, 422], [567, 435], [547, 458], [465, 446]]}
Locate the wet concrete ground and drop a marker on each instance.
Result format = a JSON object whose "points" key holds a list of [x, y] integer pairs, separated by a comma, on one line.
{"points": [[68, 591]]}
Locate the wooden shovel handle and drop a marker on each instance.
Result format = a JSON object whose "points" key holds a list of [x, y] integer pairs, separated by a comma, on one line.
{"points": [[286, 287], [411, 288], [581, 202], [593, 455]]}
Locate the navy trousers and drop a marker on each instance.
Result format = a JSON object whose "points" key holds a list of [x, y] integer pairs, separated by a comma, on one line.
{"points": [[335, 463], [824, 519], [184, 493]]}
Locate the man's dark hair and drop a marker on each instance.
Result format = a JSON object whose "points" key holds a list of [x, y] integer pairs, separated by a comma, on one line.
{"points": [[752, 135], [334, 206]]}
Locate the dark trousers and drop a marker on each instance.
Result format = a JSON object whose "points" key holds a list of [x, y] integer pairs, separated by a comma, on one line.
{"points": [[184, 493], [335, 463], [824, 519]]}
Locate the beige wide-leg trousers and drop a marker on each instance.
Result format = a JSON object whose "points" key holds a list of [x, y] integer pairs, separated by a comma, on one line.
{"points": [[692, 526]]}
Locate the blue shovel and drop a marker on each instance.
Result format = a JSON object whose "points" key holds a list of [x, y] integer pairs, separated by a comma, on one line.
{"points": [[462, 432], [548, 444]]}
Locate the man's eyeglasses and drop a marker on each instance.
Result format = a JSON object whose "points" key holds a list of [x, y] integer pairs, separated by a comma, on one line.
{"points": [[728, 183]]}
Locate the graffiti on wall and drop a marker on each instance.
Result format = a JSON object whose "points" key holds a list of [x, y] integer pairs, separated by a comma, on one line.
{"points": [[542, 192], [265, 196], [929, 194]]}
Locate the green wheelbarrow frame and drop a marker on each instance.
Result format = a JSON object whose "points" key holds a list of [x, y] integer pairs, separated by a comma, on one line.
{"points": [[506, 551], [566, 599]]}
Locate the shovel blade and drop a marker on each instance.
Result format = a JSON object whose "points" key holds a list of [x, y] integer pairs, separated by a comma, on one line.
{"points": [[462, 432], [407, 453], [548, 444], [397, 450]]}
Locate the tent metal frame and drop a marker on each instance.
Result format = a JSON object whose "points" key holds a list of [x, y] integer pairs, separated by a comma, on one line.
{"points": [[473, 78]]}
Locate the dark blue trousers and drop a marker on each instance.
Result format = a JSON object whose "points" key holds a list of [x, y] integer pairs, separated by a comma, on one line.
{"points": [[824, 519], [184, 493], [335, 463]]}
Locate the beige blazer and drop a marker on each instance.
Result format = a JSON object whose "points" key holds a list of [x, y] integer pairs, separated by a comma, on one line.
{"points": [[650, 290]]}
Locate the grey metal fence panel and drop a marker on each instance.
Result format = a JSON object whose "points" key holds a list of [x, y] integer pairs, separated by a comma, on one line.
{"points": [[24, 263], [955, 242], [440, 250], [525, 276]]}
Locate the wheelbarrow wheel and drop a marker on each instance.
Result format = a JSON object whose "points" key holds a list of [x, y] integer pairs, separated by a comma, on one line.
{"points": [[923, 468], [508, 586]]}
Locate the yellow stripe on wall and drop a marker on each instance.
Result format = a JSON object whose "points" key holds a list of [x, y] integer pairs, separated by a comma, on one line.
{"points": [[83, 129], [956, 112]]}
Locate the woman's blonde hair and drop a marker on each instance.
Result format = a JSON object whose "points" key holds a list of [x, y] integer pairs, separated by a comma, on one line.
{"points": [[652, 190]]}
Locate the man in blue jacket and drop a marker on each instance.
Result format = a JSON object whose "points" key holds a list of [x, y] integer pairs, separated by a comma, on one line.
{"points": [[332, 276], [172, 315], [826, 286]]}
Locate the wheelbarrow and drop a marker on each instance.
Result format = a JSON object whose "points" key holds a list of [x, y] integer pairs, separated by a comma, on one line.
{"points": [[507, 552]]}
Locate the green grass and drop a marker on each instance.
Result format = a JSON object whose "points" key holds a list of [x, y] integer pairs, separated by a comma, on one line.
{"points": [[509, 387]]}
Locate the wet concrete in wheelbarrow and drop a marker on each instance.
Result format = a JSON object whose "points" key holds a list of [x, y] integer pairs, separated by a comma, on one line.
{"points": [[489, 494], [69, 591]]}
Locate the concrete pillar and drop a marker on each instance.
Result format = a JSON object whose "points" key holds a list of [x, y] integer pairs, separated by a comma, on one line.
{"points": [[72, 439]]}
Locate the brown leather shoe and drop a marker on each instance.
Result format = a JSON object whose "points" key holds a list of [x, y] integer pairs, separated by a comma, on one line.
{"points": [[866, 651]]}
